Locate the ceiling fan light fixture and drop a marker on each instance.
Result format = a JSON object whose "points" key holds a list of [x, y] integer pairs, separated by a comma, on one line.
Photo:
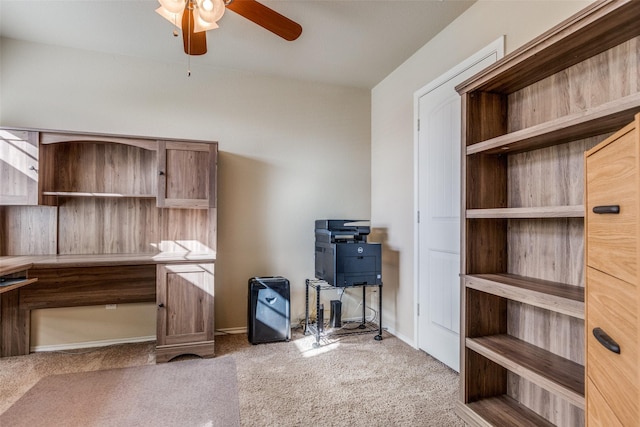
{"points": [[173, 6], [206, 13], [174, 18], [209, 12]]}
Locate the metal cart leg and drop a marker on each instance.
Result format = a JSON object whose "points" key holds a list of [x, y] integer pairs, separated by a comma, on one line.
{"points": [[319, 322], [379, 336], [364, 308], [306, 307]]}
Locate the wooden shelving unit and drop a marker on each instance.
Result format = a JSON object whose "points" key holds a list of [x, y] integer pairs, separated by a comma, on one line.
{"points": [[109, 219], [527, 121]]}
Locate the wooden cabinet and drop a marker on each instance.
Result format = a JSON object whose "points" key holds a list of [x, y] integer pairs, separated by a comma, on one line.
{"points": [[18, 167], [527, 121], [185, 296], [612, 202], [118, 195], [185, 178]]}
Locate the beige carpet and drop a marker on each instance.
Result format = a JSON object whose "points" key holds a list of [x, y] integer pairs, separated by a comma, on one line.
{"points": [[185, 393], [352, 381]]}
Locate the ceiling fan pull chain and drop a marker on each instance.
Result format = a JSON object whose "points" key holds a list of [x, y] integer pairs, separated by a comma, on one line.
{"points": [[189, 6]]}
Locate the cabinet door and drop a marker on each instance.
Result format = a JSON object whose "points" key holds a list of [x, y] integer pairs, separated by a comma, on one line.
{"points": [[611, 180], [18, 167], [612, 306], [186, 174], [185, 299]]}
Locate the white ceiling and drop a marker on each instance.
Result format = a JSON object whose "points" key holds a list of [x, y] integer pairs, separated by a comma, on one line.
{"points": [[347, 42]]}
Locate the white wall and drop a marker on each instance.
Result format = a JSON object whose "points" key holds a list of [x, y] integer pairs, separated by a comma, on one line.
{"points": [[392, 130], [290, 151]]}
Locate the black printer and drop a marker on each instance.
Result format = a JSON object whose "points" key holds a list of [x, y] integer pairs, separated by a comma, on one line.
{"points": [[343, 256]]}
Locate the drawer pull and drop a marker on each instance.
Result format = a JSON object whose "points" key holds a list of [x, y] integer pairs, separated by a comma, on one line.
{"points": [[610, 209], [604, 339]]}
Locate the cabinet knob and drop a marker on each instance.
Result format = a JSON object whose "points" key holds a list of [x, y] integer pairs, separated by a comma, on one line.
{"points": [[161, 305], [33, 168], [161, 173], [609, 209], [604, 339]]}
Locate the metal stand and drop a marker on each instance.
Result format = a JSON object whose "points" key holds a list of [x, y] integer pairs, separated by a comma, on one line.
{"points": [[317, 327]]}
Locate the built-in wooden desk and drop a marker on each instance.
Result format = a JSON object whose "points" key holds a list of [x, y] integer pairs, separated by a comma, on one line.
{"points": [[50, 281]]}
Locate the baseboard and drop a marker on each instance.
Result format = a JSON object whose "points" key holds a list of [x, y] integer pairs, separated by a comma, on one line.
{"points": [[401, 337], [231, 331], [90, 344]]}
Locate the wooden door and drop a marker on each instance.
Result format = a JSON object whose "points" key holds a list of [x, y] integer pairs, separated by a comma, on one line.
{"points": [[439, 114], [185, 297], [186, 174]]}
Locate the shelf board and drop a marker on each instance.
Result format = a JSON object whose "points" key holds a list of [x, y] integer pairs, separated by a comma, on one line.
{"points": [[549, 371], [503, 411], [604, 118], [11, 284], [103, 195], [554, 296], [573, 211]]}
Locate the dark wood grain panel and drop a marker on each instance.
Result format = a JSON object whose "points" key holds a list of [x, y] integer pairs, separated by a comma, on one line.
{"points": [[69, 287], [485, 314], [486, 181], [484, 378], [14, 323], [488, 112], [486, 252]]}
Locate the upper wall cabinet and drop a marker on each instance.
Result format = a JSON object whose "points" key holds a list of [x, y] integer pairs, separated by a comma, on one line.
{"points": [[186, 177], [40, 167], [18, 167]]}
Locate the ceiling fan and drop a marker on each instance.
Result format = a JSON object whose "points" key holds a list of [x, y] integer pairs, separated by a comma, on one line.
{"points": [[195, 17]]}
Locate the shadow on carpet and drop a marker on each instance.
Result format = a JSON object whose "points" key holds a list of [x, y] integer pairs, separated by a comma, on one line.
{"points": [[202, 392]]}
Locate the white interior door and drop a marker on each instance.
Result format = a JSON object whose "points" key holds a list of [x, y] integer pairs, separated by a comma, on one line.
{"points": [[438, 199]]}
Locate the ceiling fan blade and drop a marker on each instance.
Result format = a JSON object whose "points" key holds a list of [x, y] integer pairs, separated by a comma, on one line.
{"points": [[194, 43], [267, 18]]}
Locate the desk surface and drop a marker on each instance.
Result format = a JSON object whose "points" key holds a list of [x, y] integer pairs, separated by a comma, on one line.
{"points": [[13, 264]]}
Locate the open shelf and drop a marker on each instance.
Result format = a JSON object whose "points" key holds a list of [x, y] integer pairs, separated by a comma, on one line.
{"points": [[554, 296], [604, 118], [549, 371], [575, 211], [11, 284], [503, 411]]}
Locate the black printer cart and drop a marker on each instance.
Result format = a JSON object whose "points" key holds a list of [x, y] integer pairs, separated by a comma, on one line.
{"points": [[317, 327]]}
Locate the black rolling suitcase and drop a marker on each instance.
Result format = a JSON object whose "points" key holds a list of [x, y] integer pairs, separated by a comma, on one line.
{"points": [[269, 313]]}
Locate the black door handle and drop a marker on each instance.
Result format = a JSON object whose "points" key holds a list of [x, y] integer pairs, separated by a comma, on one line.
{"points": [[604, 339], [607, 209], [161, 305]]}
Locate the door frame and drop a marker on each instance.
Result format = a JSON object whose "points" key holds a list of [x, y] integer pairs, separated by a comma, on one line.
{"points": [[494, 48]]}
